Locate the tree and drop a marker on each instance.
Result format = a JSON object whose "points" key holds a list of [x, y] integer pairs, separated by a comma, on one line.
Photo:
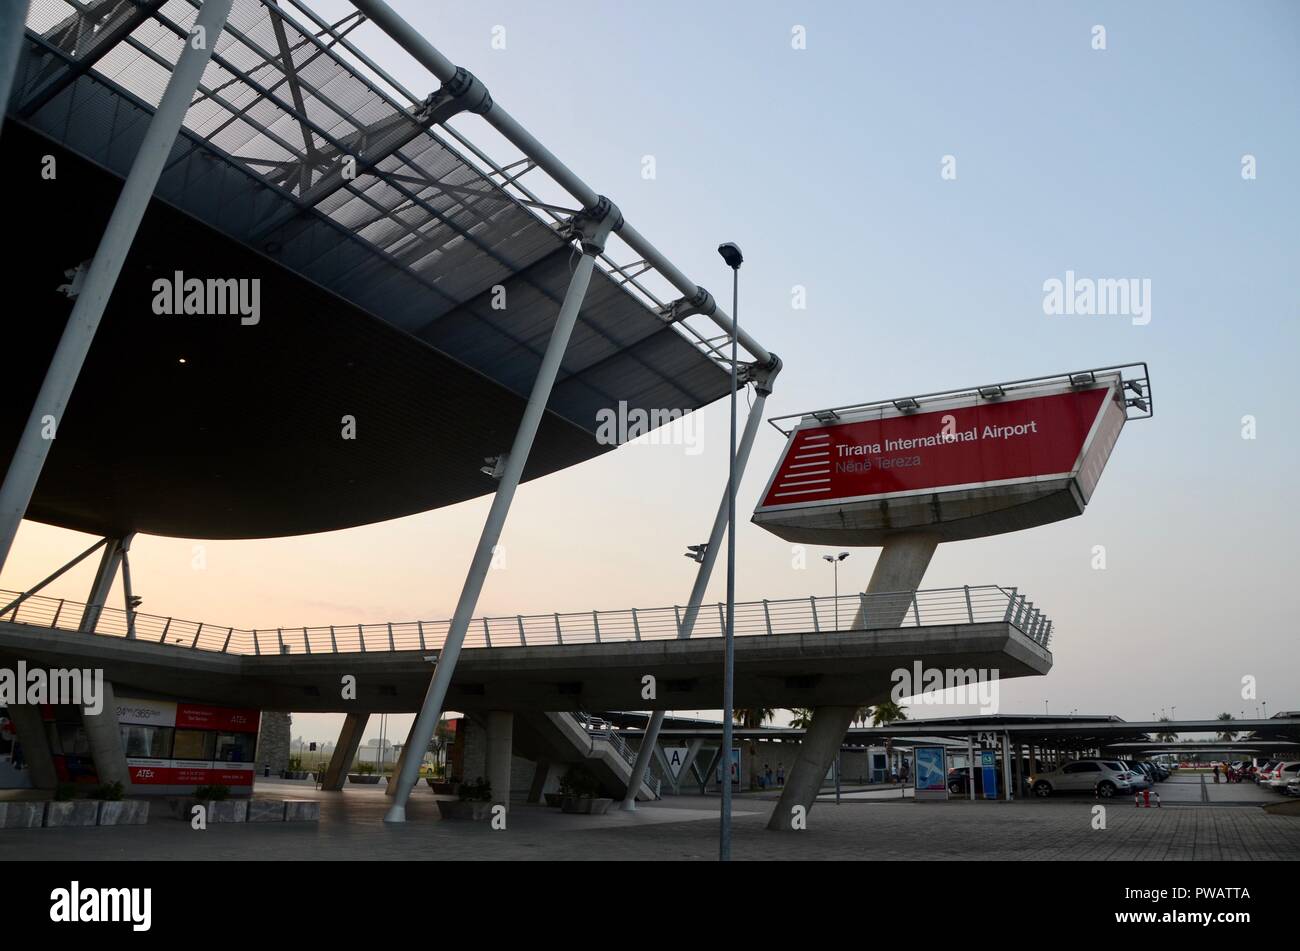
{"points": [[752, 718], [882, 714], [1227, 736], [802, 718], [1166, 736]]}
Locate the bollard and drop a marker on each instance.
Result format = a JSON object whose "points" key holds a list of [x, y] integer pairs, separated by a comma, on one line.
{"points": [[1146, 798], [1157, 800], [1137, 800]]}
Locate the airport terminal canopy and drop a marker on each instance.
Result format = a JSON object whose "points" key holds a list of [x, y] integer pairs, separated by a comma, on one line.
{"points": [[405, 280]]}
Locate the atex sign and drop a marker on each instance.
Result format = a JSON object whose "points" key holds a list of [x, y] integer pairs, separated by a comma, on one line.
{"points": [[961, 464]]}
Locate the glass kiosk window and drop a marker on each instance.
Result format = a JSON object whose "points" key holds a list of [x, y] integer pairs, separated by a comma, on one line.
{"points": [[194, 744], [235, 747], [147, 742]]}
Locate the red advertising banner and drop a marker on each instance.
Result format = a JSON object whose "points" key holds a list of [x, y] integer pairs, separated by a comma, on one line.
{"points": [[199, 775], [197, 716], [991, 443]]}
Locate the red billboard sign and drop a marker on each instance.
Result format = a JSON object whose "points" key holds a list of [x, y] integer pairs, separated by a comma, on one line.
{"points": [[953, 448], [961, 464]]}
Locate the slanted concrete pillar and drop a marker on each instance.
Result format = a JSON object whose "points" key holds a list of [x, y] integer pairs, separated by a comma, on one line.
{"points": [[500, 735], [345, 750], [105, 738], [36, 744], [900, 568], [391, 788], [546, 778]]}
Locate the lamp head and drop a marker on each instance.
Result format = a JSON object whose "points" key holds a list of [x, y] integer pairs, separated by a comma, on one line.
{"points": [[731, 254]]}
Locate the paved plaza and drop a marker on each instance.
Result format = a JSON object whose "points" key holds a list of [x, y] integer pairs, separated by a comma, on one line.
{"points": [[685, 828]]}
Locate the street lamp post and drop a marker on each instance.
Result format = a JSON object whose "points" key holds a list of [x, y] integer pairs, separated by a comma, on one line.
{"points": [[731, 254], [835, 563]]}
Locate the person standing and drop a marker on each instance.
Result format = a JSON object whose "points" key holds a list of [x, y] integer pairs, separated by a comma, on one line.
{"points": [[780, 774]]}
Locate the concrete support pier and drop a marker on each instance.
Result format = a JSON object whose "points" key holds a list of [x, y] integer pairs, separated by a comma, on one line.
{"points": [[35, 743], [345, 751], [500, 733], [105, 738], [900, 568]]}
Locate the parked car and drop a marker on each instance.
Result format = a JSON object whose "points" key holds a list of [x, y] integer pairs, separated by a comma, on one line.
{"points": [[1283, 774], [1138, 778], [1265, 772], [1106, 777], [1293, 786]]}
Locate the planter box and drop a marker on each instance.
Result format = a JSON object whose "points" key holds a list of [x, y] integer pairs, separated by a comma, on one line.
{"points": [[554, 799], [586, 807], [21, 815], [297, 774], [265, 810], [442, 787], [127, 812], [76, 812], [462, 809], [301, 810], [365, 779]]}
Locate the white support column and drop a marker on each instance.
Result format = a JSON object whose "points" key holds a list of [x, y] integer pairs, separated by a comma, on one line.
{"points": [[603, 217], [701, 584], [128, 593], [109, 563], [1008, 794], [61, 376], [13, 17], [970, 760]]}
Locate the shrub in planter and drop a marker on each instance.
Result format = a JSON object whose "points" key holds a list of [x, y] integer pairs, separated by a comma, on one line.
{"points": [[580, 791], [474, 802], [444, 787], [554, 799]]}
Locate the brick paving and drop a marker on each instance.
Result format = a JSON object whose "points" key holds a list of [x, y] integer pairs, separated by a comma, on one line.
{"points": [[685, 828]]}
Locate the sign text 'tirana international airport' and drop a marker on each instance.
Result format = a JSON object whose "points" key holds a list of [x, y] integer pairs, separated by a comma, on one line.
{"points": [[962, 463]]}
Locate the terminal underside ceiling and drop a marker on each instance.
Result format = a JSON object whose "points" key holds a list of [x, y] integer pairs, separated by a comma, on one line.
{"points": [[378, 298]]}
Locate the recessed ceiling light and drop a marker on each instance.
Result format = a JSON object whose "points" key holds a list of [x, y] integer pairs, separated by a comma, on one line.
{"points": [[181, 360]]}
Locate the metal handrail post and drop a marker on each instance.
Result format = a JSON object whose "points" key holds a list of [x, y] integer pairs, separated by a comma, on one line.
{"points": [[970, 610]]}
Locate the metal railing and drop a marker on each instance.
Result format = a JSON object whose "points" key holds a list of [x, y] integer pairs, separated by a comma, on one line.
{"points": [[965, 605], [598, 729]]}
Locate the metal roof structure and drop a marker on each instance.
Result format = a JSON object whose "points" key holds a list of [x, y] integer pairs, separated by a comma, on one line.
{"points": [[386, 241]]}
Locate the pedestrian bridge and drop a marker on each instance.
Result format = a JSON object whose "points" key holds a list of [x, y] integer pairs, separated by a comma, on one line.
{"points": [[789, 653], [932, 607]]}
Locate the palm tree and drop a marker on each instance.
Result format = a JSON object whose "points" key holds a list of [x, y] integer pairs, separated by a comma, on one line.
{"points": [[1166, 736], [1227, 736], [882, 714], [752, 718], [802, 718], [861, 716]]}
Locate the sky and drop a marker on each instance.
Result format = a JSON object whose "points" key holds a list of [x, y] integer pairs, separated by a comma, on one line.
{"points": [[825, 160]]}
